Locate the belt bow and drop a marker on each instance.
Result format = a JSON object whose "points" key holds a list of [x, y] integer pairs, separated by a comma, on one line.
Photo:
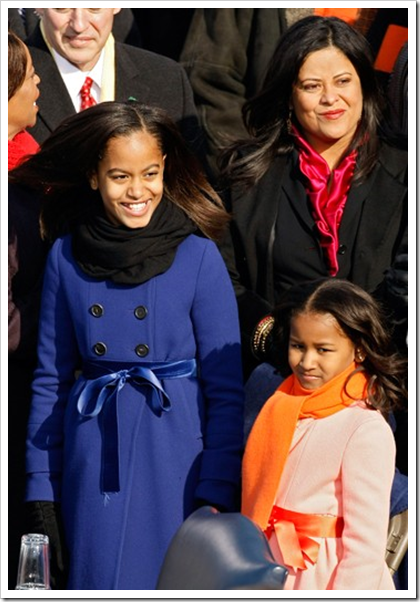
{"points": [[295, 530], [100, 395]]}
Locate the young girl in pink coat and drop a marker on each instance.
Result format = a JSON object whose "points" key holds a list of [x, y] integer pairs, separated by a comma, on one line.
{"points": [[320, 459]]}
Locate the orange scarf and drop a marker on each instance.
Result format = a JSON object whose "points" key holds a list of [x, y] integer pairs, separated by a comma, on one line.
{"points": [[270, 439]]}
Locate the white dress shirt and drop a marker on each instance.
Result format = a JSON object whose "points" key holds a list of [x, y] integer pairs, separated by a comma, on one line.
{"points": [[74, 78]]}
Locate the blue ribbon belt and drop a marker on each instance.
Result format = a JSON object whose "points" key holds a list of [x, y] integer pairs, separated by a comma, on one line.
{"points": [[100, 395]]}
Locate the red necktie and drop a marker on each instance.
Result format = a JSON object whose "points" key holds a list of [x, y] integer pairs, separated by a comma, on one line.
{"points": [[87, 99]]}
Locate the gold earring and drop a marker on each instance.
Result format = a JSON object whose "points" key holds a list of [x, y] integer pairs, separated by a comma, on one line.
{"points": [[360, 356]]}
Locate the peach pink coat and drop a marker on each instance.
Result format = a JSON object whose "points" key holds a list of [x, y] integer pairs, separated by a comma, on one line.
{"points": [[342, 465]]}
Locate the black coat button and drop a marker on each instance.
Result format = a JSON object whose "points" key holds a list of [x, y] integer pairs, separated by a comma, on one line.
{"points": [[342, 250], [142, 350], [140, 312], [97, 310], [99, 348]]}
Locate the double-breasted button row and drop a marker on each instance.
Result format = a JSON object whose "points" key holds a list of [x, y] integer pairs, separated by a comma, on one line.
{"points": [[101, 349], [97, 311]]}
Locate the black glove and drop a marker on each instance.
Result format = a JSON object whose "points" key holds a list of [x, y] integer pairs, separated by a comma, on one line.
{"points": [[45, 518]]}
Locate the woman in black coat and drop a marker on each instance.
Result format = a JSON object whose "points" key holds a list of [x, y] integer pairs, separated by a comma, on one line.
{"points": [[314, 191]]}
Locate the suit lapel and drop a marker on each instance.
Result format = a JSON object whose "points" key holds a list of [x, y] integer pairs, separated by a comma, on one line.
{"points": [[356, 198], [54, 101], [256, 210], [32, 20], [255, 217], [295, 192], [128, 77], [54, 107]]}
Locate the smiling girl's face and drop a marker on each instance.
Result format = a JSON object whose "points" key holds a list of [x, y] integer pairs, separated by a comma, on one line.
{"points": [[130, 179], [318, 349]]}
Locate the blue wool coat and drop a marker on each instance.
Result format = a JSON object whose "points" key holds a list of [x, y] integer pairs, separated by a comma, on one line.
{"points": [[167, 449]]}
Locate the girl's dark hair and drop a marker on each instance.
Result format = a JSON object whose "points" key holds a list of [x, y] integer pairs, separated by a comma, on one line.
{"points": [[18, 63], [265, 115], [60, 170], [362, 320]]}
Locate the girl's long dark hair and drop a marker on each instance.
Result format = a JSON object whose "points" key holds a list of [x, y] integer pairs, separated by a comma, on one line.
{"points": [[60, 170], [362, 320], [265, 116]]}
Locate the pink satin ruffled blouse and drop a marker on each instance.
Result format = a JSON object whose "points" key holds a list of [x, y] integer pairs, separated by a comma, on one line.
{"points": [[327, 198]]}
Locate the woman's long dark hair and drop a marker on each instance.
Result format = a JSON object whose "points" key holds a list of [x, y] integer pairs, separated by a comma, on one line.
{"points": [[265, 115], [362, 320], [60, 170], [18, 63]]}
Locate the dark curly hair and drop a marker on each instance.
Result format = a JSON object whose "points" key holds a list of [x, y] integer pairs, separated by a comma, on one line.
{"points": [[362, 320]]}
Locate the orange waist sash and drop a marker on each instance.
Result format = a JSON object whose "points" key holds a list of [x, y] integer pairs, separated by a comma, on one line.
{"points": [[294, 532]]}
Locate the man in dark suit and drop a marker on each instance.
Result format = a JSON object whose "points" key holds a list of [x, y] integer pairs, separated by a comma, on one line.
{"points": [[23, 22], [70, 44]]}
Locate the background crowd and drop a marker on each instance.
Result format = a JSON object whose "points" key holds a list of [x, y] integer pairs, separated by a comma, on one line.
{"points": [[228, 194]]}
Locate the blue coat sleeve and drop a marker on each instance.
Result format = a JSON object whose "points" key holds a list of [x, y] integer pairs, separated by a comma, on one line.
{"points": [[54, 376], [216, 324]]}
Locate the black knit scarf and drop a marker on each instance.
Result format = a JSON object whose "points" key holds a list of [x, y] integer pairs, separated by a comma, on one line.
{"points": [[130, 255]]}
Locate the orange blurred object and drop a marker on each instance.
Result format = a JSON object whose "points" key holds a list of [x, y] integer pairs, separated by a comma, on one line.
{"points": [[347, 14], [395, 38]]}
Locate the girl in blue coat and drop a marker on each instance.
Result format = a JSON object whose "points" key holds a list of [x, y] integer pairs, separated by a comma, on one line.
{"points": [[137, 409]]}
